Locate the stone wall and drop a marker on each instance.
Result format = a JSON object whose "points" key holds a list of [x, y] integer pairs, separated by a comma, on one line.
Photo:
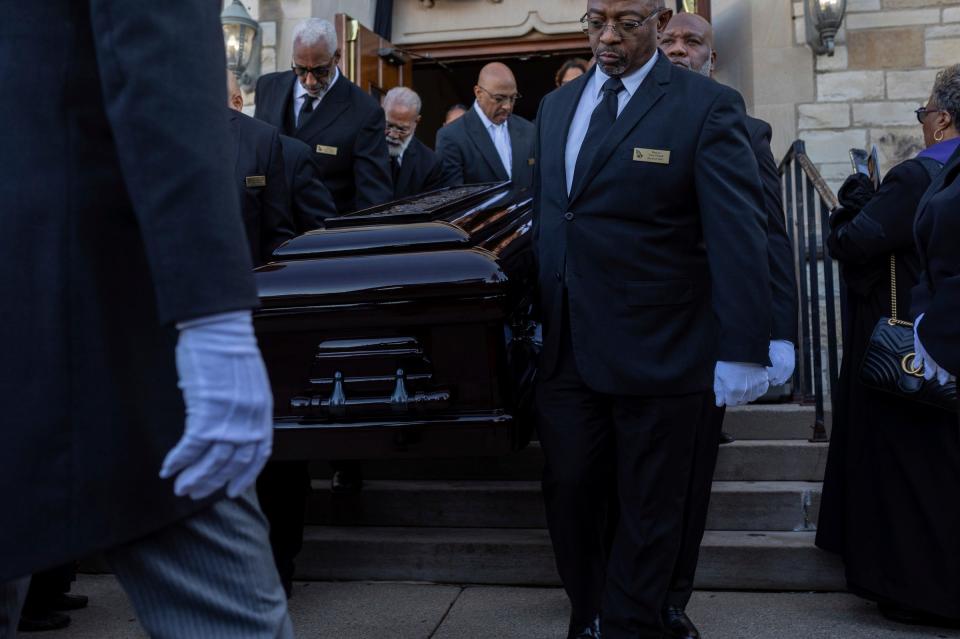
{"points": [[887, 57]]}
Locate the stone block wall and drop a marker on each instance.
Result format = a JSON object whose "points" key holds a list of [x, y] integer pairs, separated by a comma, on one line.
{"points": [[887, 56]]}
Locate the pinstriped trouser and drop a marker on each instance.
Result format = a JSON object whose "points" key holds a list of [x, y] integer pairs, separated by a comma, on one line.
{"points": [[209, 576]]}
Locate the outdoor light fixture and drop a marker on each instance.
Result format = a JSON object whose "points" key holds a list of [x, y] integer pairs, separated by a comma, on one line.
{"points": [[241, 35], [823, 18]]}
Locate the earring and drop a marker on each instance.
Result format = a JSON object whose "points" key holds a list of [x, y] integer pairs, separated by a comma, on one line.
{"points": [[940, 134]]}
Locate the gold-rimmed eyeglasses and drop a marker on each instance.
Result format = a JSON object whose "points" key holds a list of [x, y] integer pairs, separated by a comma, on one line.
{"points": [[501, 99], [594, 26]]}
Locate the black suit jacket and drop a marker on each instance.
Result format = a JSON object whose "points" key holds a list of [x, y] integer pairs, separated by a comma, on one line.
{"points": [[421, 171], [470, 157], [937, 295], [262, 183], [346, 133], [663, 263], [119, 219], [783, 279], [310, 201]]}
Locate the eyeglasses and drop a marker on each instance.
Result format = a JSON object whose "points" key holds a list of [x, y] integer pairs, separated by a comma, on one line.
{"points": [[319, 73], [922, 113], [623, 28], [501, 99], [401, 130]]}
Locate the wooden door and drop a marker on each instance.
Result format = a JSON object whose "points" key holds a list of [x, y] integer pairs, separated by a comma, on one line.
{"points": [[694, 6], [361, 60]]}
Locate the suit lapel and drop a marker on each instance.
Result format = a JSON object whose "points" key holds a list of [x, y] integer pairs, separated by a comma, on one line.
{"points": [[519, 147], [640, 104], [480, 137], [569, 110], [331, 106], [235, 131]]}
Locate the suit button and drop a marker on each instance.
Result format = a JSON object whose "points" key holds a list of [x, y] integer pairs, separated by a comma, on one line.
{"points": [[568, 216], [558, 276]]}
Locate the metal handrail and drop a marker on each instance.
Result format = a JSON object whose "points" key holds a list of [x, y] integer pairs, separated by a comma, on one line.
{"points": [[808, 202]]}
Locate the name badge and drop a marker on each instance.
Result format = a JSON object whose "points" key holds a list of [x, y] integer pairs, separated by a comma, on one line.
{"points": [[256, 180], [531, 161], [326, 150], [655, 156]]}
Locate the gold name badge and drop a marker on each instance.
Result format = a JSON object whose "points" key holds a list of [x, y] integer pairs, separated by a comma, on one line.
{"points": [[326, 150], [256, 180], [655, 156], [531, 161]]}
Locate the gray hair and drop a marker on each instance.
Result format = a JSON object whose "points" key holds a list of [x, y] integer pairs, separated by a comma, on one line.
{"points": [[404, 97], [313, 31], [946, 92]]}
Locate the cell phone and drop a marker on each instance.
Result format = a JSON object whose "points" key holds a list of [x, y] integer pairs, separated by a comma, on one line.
{"points": [[867, 163]]}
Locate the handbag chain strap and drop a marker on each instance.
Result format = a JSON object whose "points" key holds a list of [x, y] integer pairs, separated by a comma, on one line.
{"points": [[894, 319]]}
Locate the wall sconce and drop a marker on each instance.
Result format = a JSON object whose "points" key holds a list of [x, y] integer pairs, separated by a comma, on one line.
{"points": [[823, 19], [241, 35]]}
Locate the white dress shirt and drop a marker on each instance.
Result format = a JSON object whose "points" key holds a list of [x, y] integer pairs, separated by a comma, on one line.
{"points": [[591, 97], [500, 134], [300, 94]]}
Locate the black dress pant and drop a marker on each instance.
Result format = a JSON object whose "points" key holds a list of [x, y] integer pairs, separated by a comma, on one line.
{"points": [[698, 502], [639, 447], [283, 488]]}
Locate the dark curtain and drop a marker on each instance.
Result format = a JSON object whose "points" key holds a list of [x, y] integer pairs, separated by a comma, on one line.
{"points": [[383, 22]]}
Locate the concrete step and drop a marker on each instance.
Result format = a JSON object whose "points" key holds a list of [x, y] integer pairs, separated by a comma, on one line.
{"points": [[772, 421], [743, 460], [728, 560], [776, 506]]}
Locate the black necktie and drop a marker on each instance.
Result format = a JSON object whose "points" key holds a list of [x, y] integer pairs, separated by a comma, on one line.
{"points": [[604, 115], [305, 109], [395, 167]]}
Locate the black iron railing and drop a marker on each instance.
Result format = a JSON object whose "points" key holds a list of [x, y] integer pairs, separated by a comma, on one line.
{"points": [[807, 202]]}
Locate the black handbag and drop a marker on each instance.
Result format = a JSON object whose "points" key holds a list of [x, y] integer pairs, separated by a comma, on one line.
{"points": [[889, 363]]}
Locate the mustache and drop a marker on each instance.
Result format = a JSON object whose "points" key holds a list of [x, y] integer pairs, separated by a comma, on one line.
{"points": [[601, 50]]}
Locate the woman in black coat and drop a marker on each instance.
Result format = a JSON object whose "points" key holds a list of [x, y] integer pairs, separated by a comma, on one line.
{"points": [[891, 496]]}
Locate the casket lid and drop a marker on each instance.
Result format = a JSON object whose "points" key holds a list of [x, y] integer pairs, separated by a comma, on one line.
{"points": [[440, 220]]}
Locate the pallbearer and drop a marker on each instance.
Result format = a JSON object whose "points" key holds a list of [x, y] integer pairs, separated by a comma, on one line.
{"points": [[688, 43], [416, 168], [655, 293]]}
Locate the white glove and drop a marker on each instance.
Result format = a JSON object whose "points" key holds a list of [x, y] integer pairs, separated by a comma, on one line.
{"points": [[930, 368], [228, 435], [735, 383], [784, 359]]}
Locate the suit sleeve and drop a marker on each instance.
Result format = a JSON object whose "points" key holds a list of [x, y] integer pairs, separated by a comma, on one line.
{"points": [[885, 224], [371, 167], [174, 156], [734, 230], [311, 199], [783, 281], [437, 178], [276, 220], [449, 152]]}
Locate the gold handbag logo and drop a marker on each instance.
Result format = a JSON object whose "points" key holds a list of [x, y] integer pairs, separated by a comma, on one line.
{"points": [[909, 365]]}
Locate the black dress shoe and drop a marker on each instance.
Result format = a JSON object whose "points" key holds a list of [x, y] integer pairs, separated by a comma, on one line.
{"points": [[726, 438], [580, 630], [66, 601], [42, 620], [678, 624], [347, 482], [912, 617]]}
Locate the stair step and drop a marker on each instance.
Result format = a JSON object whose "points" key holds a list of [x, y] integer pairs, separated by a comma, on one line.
{"points": [[783, 506], [772, 421], [743, 460], [728, 560]]}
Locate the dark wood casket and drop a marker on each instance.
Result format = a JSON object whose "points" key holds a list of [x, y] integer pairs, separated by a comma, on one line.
{"points": [[404, 330]]}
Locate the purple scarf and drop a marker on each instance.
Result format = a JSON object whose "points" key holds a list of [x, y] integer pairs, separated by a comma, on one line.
{"points": [[941, 151]]}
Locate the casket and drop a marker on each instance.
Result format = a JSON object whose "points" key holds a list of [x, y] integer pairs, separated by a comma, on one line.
{"points": [[404, 330]]}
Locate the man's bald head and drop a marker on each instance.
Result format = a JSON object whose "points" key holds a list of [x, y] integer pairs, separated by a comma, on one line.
{"points": [[688, 42], [496, 91], [234, 96]]}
